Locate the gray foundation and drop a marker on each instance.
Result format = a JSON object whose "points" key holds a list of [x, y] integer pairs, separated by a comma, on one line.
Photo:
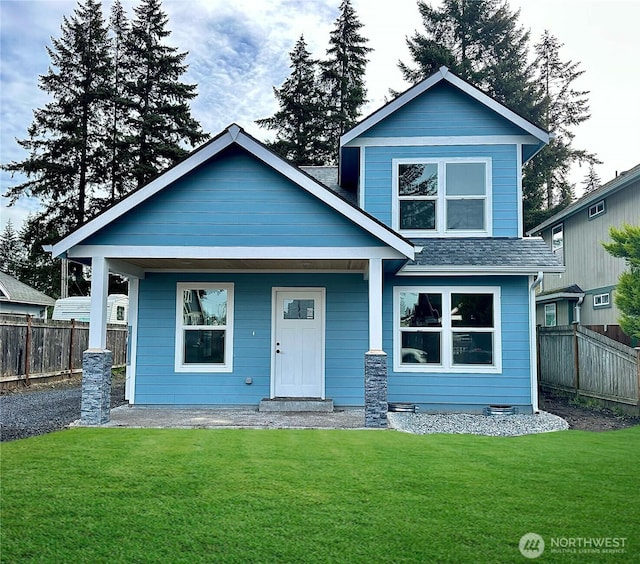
{"points": [[96, 386], [375, 390]]}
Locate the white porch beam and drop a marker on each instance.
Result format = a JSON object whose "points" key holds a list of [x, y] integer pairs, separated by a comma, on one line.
{"points": [[375, 306], [98, 314]]}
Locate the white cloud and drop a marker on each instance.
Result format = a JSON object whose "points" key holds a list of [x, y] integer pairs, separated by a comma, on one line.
{"points": [[239, 49]]}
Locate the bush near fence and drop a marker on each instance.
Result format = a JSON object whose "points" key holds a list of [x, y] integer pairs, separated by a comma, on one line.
{"points": [[575, 359], [35, 348]]}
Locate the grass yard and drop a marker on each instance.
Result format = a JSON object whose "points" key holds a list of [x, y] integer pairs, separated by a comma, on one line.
{"points": [[176, 495]]}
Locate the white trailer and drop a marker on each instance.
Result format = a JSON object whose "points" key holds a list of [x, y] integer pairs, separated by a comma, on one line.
{"points": [[79, 308]]}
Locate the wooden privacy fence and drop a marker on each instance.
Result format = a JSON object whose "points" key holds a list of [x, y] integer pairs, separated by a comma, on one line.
{"points": [[574, 358], [35, 348]]}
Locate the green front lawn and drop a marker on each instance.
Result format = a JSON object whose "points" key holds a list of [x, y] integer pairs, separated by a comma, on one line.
{"points": [[176, 495]]}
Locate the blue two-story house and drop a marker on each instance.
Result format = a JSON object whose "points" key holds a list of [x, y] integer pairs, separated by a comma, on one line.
{"points": [[401, 276]]}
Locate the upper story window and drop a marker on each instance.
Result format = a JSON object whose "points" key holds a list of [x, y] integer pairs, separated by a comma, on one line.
{"points": [[597, 209], [442, 196], [601, 300], [557, 240]]}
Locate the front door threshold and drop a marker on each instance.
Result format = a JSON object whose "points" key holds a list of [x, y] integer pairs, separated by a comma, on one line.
{"points": [[296, 405]]}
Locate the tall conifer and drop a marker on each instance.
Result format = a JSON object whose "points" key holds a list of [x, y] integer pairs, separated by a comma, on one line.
{"points": [[342, 76], [161, 120], [298, 123]]}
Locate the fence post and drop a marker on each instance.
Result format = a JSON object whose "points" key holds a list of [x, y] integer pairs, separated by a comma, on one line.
{"points": [[576, 359], [638, 371], [27, 352], [71, 337]]}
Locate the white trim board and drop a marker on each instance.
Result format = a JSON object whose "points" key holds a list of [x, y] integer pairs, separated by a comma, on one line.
{"points": [[186, 252], [421, 87], [235, 135]]}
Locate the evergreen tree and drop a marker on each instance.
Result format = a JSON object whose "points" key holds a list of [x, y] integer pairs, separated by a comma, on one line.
{"points": [[480, 41], [342, 76], [65, 141], [562, 109], [39, 269], [591, 181], [626, 244], [298, 122], [119, 157], [161, 117], [11, 252]]}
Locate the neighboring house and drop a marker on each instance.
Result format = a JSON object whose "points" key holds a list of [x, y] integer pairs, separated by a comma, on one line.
{"points": [[18, 298], [79, 308], [584, 293], [410, 282]]}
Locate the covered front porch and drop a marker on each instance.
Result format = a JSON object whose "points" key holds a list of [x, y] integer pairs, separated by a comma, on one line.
{"points": [[343, 323]]}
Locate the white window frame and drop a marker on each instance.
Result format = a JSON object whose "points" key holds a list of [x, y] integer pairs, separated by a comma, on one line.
{"points": [[597, 209], [558, 228], [552, 307], [447, 330], [227, 365], [441, 198], [601, 300]]}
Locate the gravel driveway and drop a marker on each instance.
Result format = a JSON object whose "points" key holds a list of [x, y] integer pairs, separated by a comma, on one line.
{"points": [[46, 407]]}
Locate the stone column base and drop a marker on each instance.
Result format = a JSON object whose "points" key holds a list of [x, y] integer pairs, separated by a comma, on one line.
{"points": [[375, 390], [96, 387]]}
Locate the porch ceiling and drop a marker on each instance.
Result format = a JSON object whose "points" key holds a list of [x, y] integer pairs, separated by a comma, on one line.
{"points": [[358, 265]]}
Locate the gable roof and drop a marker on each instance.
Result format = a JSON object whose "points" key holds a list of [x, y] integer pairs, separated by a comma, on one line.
{"points": [[234, 134], [444, 74], [18, 292], [620, 182]]}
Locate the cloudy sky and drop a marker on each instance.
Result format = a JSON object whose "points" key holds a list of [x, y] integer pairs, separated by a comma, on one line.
{"points": [[239, 49]]}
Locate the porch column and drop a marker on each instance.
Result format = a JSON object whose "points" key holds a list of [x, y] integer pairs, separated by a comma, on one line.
{"points": [[375, 361], [96, 360]]}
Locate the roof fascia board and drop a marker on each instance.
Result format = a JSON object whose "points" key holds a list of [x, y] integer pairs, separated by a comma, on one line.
{"points": [[427, 270], [391, 107], [234, 134], [184, 252], [421, 87], [184, 167], [560, 296], [319, 191], [613, 186]]}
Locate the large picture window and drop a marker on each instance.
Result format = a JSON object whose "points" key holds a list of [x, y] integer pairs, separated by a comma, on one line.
{"points": [[447, 329], [442, 197], [204, 338]]}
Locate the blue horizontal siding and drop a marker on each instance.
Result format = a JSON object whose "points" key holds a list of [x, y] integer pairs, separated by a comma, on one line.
{"points": [[346, 340], [379, 190], [511, 387], [346, 344], [233, 200], [443, 110]]}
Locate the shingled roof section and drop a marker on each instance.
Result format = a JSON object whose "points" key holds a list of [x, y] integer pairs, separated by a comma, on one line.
{"points": [[12, 290], [328, 175], [489, 255]]}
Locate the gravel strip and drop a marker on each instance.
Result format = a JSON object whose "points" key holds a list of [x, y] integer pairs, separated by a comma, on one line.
{"points": [[492, 425]]}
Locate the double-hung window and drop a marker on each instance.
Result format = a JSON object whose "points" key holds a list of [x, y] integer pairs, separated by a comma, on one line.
{"points": [[447, 329], [204, 327], [442, 196]]}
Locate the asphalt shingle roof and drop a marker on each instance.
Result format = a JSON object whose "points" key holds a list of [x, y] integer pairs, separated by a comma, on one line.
{"points": [[17, 292], [520, 254], [328, 175]]}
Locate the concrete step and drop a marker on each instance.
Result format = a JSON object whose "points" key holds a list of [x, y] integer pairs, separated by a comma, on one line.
{"points": [[296, 404]]}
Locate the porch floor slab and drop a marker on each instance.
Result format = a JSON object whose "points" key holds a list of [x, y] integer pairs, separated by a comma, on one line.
{"points": [[211, 418]]}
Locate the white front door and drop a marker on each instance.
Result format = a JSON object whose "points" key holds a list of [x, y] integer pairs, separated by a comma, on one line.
{"points": [[298, 343]]}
